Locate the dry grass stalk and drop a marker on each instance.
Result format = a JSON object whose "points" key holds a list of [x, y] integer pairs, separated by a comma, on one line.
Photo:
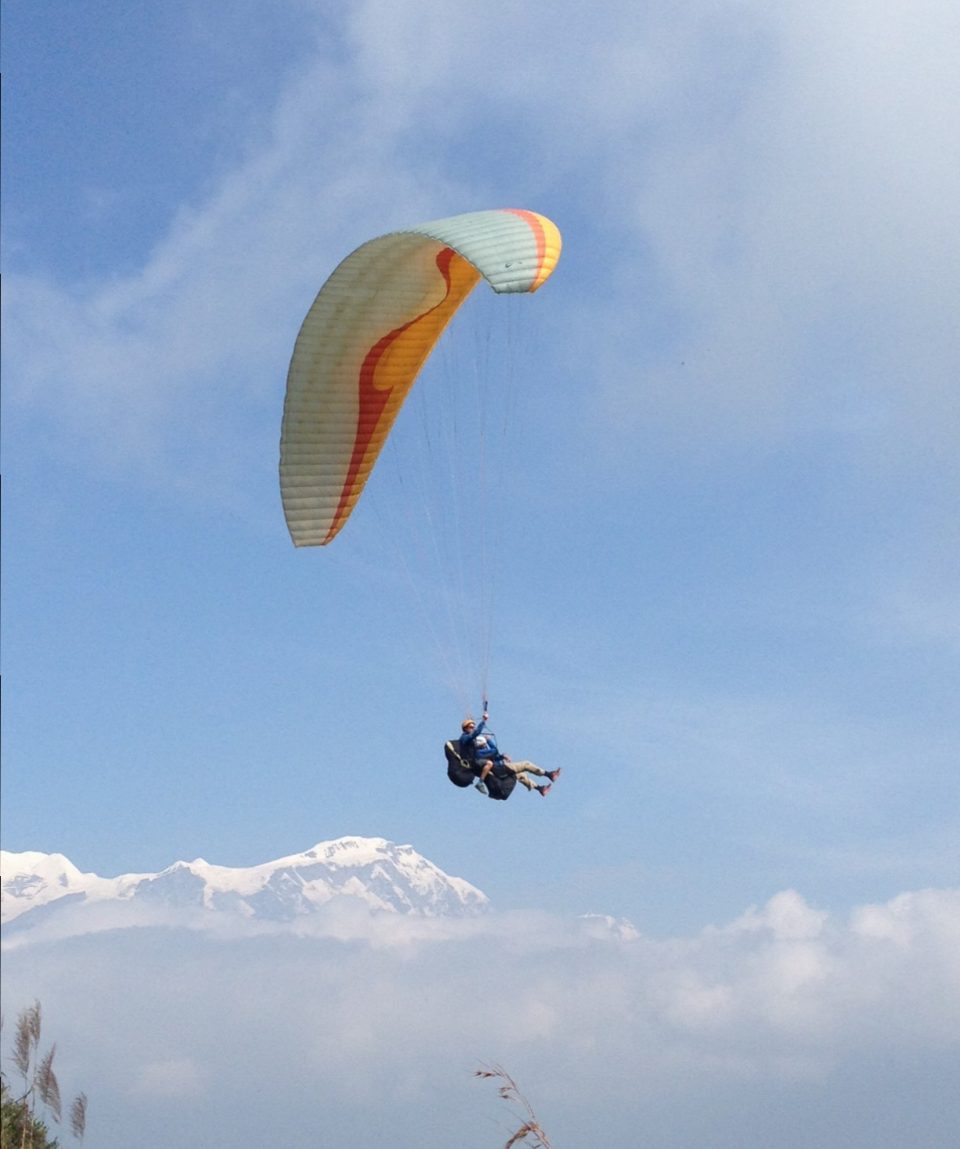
{"points": [[40, 1085], [78, 1116], [48, 1088], [26, 1038], [529, 1130]]}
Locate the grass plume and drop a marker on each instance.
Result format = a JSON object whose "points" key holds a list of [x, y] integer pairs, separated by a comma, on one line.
{"points": [[40, 1093], [529, 1132]]}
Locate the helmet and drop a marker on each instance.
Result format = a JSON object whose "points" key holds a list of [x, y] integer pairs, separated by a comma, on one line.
{"points": [[467, 722]]}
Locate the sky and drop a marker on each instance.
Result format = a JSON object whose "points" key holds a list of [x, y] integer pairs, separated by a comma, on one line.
{"points": [[727, 601]]}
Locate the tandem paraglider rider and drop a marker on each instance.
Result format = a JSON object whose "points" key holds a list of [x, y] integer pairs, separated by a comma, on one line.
{"points": [[496, 773]]}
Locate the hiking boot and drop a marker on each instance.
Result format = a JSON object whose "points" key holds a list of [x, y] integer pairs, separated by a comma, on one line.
{"points": [[553, 775], [543, 791]]}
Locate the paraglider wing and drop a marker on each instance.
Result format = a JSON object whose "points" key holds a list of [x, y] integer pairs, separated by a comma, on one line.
{"points": [[368, 333]]}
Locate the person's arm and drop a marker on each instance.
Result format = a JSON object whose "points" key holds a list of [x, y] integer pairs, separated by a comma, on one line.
{"points": [[477, 730]]}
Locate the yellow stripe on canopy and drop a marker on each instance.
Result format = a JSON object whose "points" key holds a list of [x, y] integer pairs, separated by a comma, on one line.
{"points": [[363, 342]]}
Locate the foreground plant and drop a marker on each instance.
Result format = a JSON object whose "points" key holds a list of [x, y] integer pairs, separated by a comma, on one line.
{"points": [[529, 1130], [22, 1125]]}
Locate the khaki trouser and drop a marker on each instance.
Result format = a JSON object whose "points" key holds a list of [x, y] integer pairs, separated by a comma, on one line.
{"points": [[522, 769]]}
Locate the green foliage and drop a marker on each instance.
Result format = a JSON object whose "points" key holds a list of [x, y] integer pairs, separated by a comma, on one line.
{"points": [[18, 1128], [22, 1125]]}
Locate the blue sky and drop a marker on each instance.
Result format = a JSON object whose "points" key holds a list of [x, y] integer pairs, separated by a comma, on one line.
{"points": [[727, 601], [729, 605]]}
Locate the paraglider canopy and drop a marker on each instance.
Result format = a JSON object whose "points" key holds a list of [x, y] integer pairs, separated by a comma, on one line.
{"points": [[363, 342]]}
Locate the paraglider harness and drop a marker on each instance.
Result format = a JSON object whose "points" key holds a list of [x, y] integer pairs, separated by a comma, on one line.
{"points": [[463, 771]]}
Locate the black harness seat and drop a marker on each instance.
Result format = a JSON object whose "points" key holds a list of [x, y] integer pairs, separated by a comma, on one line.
{"points": [[500, 782], [459, 770]]}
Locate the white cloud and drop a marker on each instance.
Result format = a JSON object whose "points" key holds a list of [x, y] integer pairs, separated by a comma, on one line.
{"points": [[177, 1077], [395, 1012], [919, 614], [785, 916], [797, 211]]}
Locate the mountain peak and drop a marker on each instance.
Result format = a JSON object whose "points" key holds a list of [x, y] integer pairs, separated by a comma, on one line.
{"points": [[374, 871]]}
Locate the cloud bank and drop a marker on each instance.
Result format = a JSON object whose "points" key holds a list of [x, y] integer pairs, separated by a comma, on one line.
{"points": [[770, 1016]]}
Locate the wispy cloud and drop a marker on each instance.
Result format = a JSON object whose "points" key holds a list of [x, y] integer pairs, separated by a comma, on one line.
{"points": [[175, 1078], [770, 231]]}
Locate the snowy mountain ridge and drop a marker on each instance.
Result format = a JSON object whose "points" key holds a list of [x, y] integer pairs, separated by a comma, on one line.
{"points": [[383, 876]]}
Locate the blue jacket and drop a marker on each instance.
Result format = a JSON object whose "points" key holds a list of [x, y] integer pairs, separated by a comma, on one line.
{"points": [[469, 748]]}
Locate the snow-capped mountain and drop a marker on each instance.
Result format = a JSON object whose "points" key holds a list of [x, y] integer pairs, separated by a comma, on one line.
{"points": [[375, 872]]}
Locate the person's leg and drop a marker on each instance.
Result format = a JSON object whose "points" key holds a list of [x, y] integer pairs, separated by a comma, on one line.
{"points": [[526, 768]]}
